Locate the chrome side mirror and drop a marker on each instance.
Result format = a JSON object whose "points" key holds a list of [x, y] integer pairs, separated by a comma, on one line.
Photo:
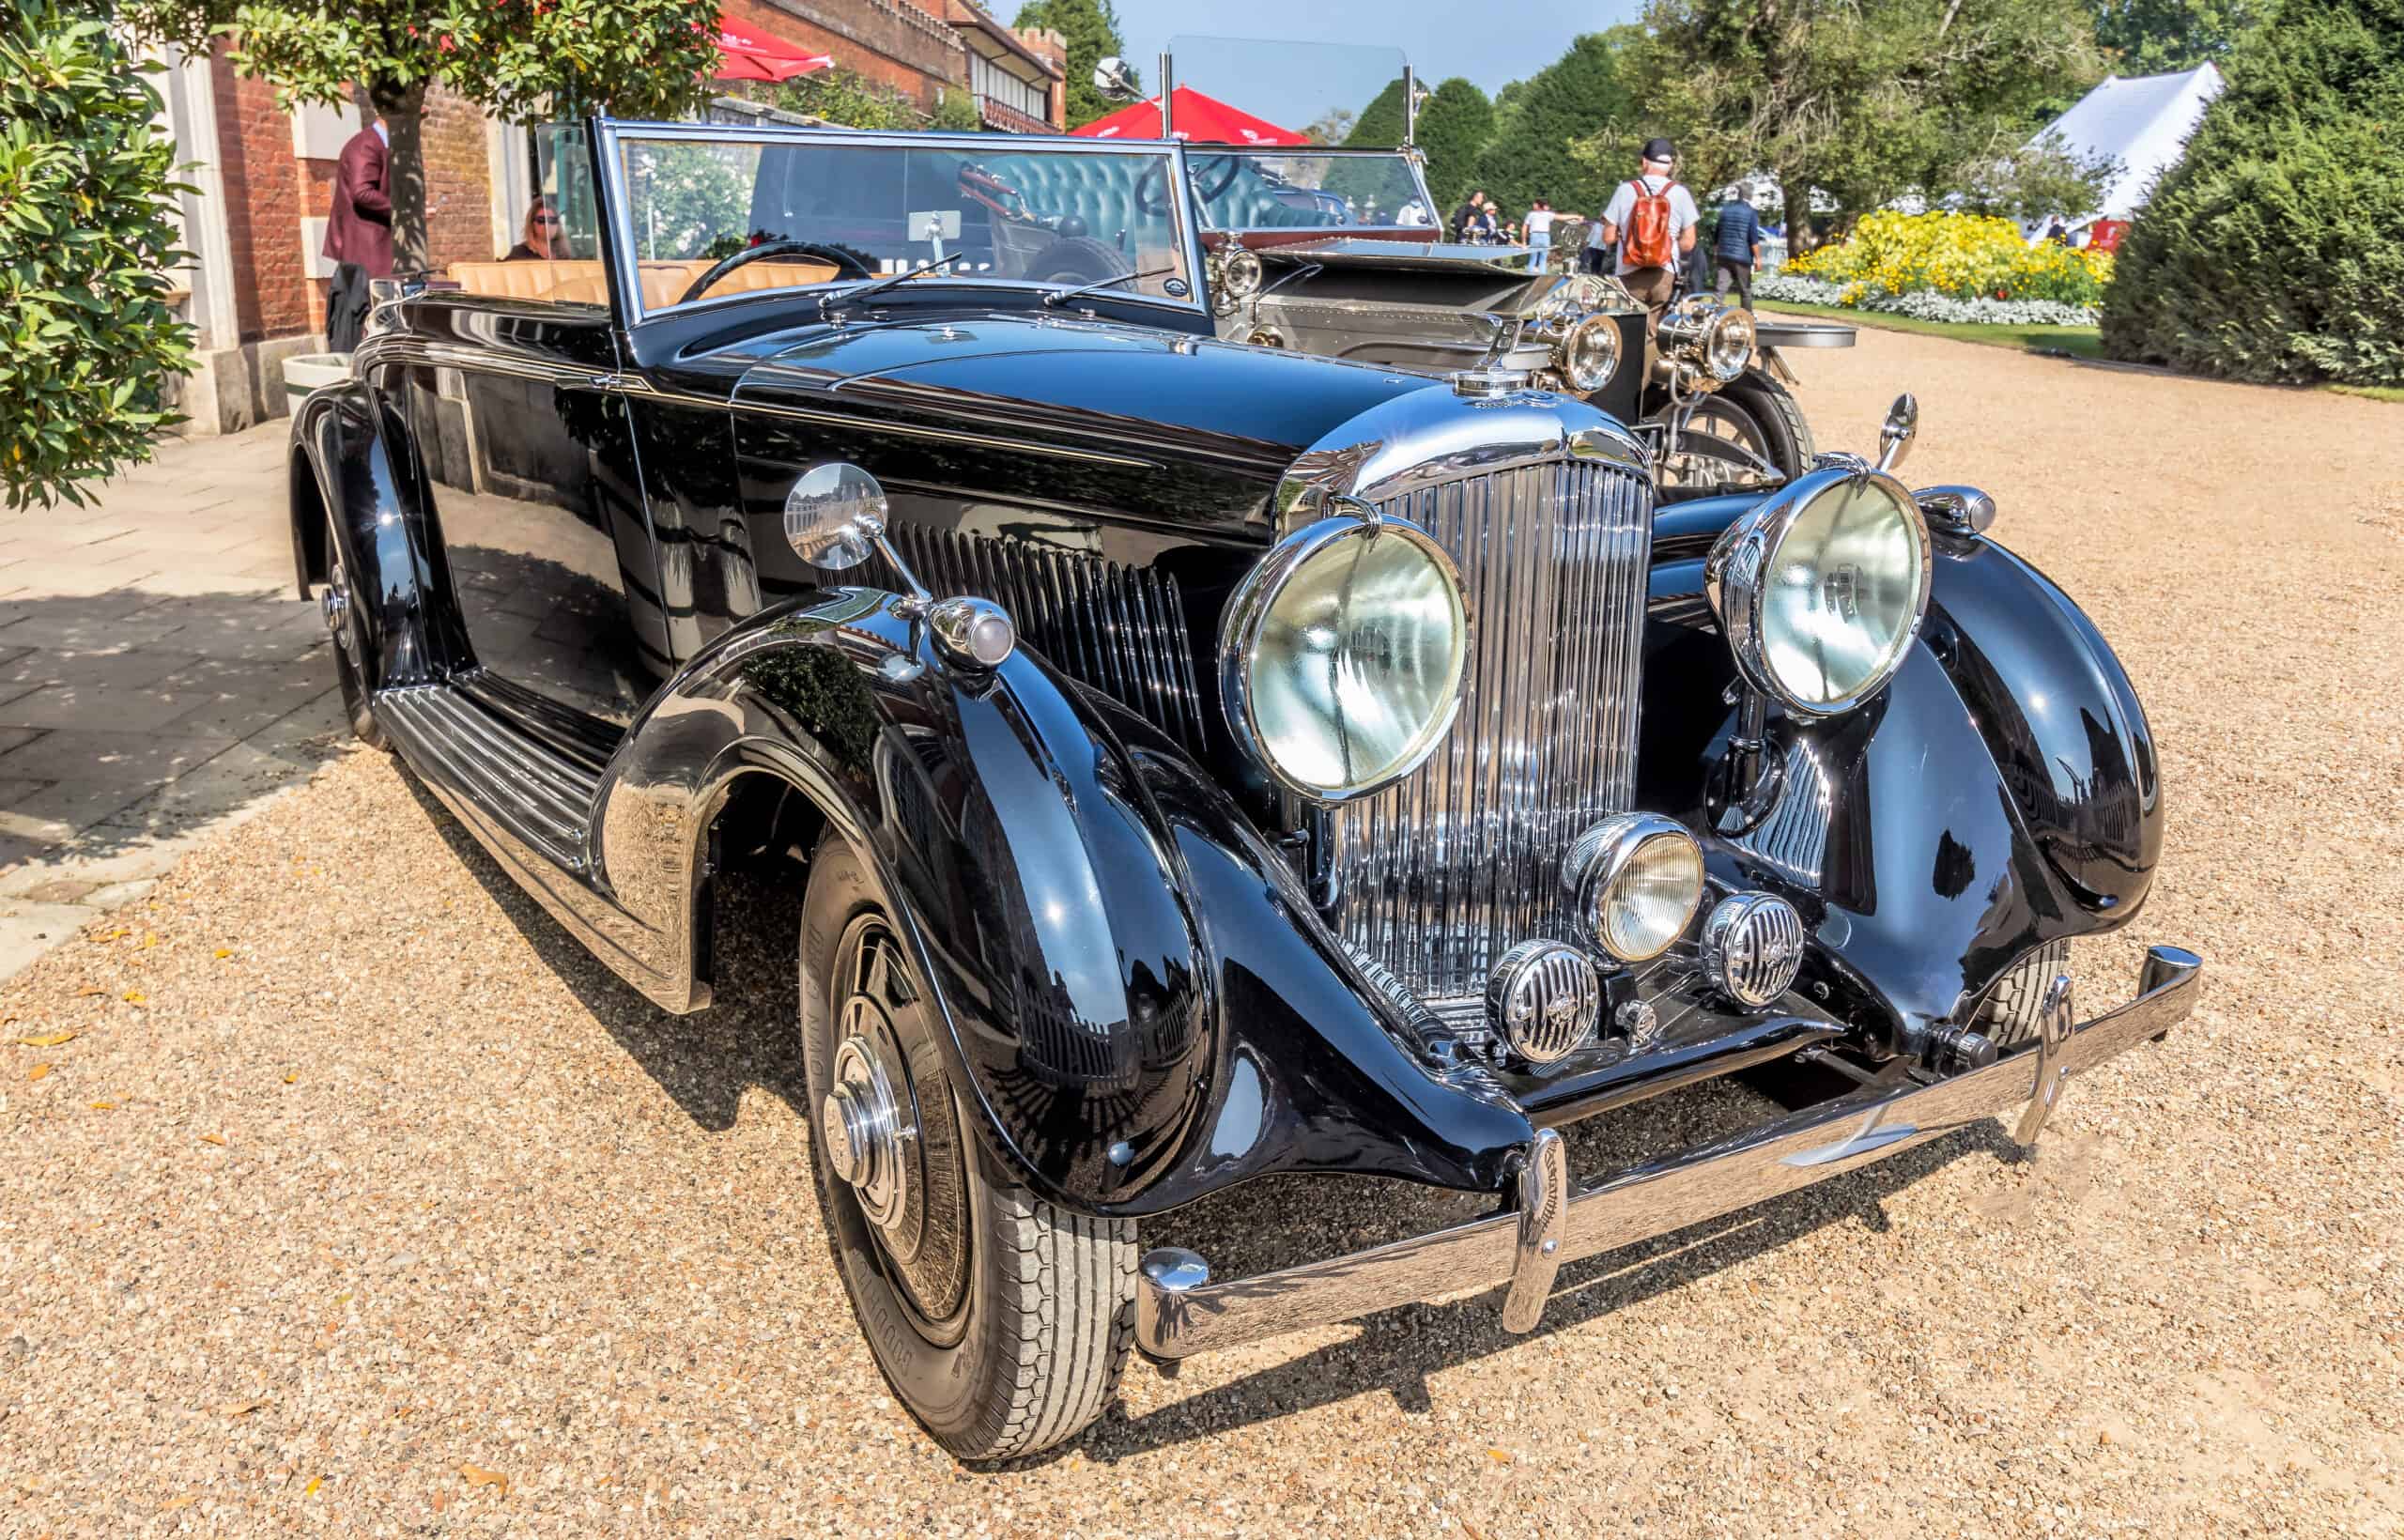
{"points": [[1113, 78], [1895, 438], [835, 515]]}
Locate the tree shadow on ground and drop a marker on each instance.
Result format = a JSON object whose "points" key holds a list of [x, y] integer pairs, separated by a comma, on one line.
{"points": [[130, 717], [706, 1061]]}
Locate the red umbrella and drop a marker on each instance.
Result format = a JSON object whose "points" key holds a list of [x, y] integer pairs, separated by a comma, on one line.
{"points": [[742, 57], [1204, 119]]}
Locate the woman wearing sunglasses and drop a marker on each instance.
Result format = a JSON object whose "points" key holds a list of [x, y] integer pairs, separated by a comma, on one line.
{"points": [[543, 238]]}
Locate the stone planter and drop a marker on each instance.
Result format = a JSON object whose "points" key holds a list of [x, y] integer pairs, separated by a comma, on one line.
{"points": [[306, 372]]}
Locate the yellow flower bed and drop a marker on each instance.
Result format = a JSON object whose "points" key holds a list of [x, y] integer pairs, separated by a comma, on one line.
{"points": [[1966, 257]]}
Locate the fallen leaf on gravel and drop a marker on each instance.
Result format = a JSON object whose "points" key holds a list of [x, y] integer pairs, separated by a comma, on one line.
{"points": [[441, 1501], [478, 1476], [89, 989], [37, 1072], [293, 1076], [48, 1039], [224, 951], [133, 998], [311, 1490], [1500, 1456], [212, 1139], [184, 1501], [240, 1408], [105, 1106]]}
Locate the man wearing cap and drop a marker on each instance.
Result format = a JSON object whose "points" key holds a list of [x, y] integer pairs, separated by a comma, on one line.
{"points": [[1652, 221]]}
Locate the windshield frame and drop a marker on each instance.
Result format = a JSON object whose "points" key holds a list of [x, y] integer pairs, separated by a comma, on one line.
{"points": [[1358, 152], [610, 135]]}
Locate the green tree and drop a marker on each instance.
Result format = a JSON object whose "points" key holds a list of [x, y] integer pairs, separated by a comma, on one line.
{"points": [[1453, 124], [848, 98], [1861, 100], [1538, 119], [519, 59], [2274, 249], [1091, 28], [1379, 125], [86, 238], [2158, 37]]}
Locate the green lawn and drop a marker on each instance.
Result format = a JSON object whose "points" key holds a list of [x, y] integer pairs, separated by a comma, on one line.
{"points": [[2084, 341]]}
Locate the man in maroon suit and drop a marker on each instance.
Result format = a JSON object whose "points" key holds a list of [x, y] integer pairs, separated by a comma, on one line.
{"points": [[358, 234]]}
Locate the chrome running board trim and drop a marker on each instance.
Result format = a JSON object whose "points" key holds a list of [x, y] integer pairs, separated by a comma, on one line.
{"points": [[1179, 1312]]}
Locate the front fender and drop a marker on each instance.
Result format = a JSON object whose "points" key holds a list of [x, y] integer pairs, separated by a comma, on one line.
{"points": [[1134, 987], [2001, 792]]}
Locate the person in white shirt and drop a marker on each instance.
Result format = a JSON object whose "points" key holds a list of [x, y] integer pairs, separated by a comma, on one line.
{"points": [[1539, 227], [1652, 221]]}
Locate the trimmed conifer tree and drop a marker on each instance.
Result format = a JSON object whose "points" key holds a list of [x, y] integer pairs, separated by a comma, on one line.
{"points": [[2274, 251]]}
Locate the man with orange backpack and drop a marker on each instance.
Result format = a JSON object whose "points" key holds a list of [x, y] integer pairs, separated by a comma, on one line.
{"points": [[1652, 220]]}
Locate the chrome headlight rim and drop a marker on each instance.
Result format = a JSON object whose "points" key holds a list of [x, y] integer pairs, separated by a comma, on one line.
{"points": [[1565, 350], [1248, 612], [1608, 853], [1239, 270], [1717, 342], [1732, 583]]}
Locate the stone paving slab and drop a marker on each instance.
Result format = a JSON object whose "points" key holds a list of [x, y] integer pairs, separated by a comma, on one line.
{"points": [[157, 679]]}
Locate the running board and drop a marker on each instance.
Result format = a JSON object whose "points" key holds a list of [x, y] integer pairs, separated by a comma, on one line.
{"points": [[533, 808], [540, 795]]}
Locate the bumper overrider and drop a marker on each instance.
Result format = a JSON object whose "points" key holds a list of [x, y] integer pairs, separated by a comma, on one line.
{"points": [[1180, 1310]]}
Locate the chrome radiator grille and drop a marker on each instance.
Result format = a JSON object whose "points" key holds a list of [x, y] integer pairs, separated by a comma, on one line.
{"points": [[1118, 628], [1445, 870]]}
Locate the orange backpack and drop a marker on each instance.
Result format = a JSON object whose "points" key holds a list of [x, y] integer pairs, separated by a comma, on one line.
{"points": [[1647, 243]]}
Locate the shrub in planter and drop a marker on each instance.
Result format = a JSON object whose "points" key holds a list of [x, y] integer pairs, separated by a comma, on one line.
{"points": [[87, 341], [2274, 251]]}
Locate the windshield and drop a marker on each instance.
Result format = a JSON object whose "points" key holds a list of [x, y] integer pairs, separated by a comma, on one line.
{"points": [[827, 208], [1255, 190]]}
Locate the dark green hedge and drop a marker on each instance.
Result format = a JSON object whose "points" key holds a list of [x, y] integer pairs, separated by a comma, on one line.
{"points": [[86, 339], [2274, 252]]}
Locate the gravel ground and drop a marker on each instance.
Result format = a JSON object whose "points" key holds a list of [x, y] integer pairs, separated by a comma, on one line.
{"points": [[363, 1202]]}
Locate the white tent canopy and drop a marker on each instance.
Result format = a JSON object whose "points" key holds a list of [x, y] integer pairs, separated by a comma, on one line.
{"points": [[2143, 123]]}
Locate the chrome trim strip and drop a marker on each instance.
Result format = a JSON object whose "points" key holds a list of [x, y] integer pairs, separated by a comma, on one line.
{"points": [[1619, 1210]]}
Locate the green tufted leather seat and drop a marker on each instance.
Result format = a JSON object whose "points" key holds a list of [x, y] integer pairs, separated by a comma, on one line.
{"points": [[1097, 189]]}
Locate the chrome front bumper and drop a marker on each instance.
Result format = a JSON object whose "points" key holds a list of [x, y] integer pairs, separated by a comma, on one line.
{"points": [[1179, 1312]]}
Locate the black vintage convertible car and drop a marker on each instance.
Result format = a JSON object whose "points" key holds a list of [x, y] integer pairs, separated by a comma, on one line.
{"points": [[1203, 761]]}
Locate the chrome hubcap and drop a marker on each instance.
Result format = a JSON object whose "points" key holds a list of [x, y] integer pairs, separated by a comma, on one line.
{"points": [[335, 604], [865, 1131]]}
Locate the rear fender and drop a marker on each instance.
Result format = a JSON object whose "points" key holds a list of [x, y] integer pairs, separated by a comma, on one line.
{"points": [[352, 446], [1131, 983]]}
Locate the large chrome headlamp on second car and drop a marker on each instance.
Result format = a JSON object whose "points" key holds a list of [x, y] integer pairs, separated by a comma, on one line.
{"points": [[1704, 344], [1582, 342], [1342, 653]]}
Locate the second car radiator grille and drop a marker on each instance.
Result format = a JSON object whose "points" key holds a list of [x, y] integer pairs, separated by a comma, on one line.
{"points": [[1442, 872]]}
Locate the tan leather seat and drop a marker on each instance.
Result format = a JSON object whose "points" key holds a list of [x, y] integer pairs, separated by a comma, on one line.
{"points": [[585, 282]]}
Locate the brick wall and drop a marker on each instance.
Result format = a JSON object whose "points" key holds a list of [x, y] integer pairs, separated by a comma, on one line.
{"points": [[265, 191], [459, 184], [890, 42]]}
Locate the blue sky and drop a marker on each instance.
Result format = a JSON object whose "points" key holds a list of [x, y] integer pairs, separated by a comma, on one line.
{"points": [[1490, 41]]}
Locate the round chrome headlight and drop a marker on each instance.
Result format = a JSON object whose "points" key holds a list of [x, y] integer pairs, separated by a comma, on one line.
{"points": [[1821, 588], [1637, 878], [1239, 269], [1716, 341], [1588, 354], [1342, 656]]}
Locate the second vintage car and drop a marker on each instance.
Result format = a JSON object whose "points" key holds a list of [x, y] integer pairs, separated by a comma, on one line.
{"points": [[1198, 762]]}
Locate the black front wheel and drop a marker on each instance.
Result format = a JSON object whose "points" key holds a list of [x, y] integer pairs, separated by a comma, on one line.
{"points": [[1001, 1320], [1747, 436]]}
